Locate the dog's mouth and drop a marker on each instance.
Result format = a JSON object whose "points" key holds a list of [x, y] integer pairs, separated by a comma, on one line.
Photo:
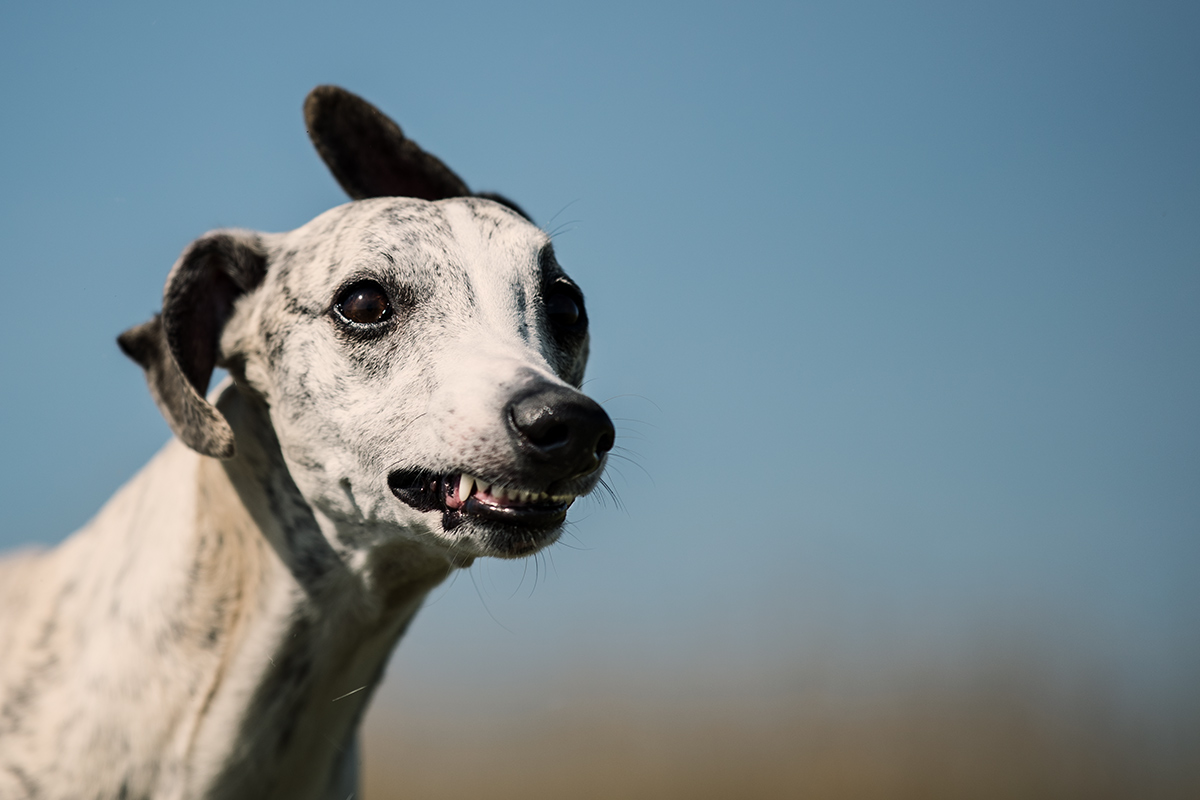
{"points": [[461, 497]]}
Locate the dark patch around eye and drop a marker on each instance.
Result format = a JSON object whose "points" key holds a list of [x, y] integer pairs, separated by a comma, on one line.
{"points": [[562, 310], [565, 311]]}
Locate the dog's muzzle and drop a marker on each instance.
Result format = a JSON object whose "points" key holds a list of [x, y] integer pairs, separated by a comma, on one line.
{"points": [[558, 438]]}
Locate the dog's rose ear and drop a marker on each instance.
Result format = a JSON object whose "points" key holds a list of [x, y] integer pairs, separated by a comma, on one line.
{"points": [[370, 156], [179, 347]]}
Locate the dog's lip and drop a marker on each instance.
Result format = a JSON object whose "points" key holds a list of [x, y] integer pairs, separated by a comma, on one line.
{"points": [[462, 496]]}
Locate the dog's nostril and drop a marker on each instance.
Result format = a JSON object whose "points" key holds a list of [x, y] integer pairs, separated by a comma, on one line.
{"points": [[604, 444], [555, 435]]}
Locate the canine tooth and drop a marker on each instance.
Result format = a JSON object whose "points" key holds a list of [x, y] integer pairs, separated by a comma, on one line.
{"points": [[465, 484]]}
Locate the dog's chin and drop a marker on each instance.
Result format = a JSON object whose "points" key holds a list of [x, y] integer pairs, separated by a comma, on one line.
{"points": [[484, 518]]}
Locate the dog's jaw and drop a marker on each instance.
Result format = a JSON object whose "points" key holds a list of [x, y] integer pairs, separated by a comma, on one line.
{"points": [[485, 518]]}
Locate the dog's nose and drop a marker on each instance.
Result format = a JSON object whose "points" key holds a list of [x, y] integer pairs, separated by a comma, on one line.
{"points": [[567, 432]]}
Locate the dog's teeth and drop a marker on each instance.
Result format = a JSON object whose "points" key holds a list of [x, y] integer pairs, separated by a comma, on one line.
{"points": [[498, 492]]}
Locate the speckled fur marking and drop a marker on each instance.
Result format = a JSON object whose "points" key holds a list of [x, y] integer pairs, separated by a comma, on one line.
{"points": [[216, 631]]}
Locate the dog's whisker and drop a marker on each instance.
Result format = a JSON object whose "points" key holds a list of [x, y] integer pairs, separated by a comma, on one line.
{"points": [[635, 396], [347, 694], [633, 421], [483, 601], [537, 573], [561, 210], [633, 462], [524, 573]]}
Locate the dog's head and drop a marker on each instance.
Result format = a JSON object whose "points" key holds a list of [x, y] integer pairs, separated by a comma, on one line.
{"points": [[419, 350]]}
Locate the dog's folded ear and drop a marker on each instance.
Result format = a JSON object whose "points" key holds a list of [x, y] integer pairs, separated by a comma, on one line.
{"points": [[370, 156], [179, 347]]}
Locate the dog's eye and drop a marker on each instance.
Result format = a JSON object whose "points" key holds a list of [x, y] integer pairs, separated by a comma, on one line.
{"points": [[365, 304], [563, 310]]}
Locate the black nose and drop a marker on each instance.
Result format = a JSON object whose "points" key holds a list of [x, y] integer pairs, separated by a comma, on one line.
{"points": [[564, 433]]}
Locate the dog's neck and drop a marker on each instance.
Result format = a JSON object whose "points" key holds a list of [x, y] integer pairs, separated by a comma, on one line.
{"points": [[308, 632]]}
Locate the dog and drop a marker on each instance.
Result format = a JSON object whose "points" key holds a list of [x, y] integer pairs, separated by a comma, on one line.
{"points": [[403, 398]]}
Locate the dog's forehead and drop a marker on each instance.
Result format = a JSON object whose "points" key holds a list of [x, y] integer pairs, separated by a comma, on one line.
{"points": [[423, 245]]}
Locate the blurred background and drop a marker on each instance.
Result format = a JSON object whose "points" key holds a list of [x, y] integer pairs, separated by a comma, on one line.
{"points": [[897, 307]]}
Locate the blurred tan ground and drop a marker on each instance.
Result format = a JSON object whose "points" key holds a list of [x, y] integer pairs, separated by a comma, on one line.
{"points": [[986, 733]]}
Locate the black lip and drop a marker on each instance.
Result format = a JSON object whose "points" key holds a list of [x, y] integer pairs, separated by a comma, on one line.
{"points": [[427, 491], [421, 490]]}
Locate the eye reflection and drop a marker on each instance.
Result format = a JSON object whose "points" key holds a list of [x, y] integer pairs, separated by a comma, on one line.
{"points": [[365, 304]]}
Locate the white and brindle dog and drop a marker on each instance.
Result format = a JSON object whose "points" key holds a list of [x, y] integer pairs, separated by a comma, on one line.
{"points": [[403, 399]]}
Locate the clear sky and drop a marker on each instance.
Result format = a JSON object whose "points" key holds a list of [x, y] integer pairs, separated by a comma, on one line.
{"points": [[898, 305]]}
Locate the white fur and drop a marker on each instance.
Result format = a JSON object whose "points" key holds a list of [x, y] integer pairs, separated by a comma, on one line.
{"points": [[216, 631]]}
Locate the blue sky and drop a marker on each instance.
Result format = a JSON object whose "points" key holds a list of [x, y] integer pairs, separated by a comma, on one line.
{"points": [[897, 305]]}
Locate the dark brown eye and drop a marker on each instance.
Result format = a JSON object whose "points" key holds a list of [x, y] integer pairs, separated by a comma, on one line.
{"points": [[365, 304], [563, 311]]}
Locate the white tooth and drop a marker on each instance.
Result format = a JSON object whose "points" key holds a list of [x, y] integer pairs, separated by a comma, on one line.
{"points": [[499, 492], [465, 484], [482, 487], [525, 496]]}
